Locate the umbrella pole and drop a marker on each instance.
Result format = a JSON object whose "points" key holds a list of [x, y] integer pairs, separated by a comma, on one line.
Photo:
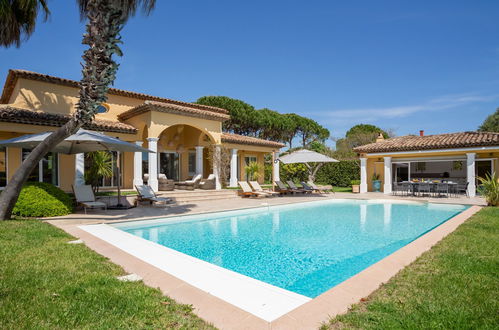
{"points": [[118, 165]]}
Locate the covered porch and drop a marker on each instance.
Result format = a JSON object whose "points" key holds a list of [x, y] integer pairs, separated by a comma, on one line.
{"points": [[456, 159]]}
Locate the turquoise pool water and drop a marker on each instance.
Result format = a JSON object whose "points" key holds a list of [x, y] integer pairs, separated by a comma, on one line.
{"points": [[306, 248]]}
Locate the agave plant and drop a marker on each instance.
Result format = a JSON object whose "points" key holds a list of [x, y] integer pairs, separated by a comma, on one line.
{"points": [[489, 188]]}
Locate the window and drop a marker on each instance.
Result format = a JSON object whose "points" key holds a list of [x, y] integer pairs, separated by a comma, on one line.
{"points": [[249, 159], [3, 167], [192, 163], [103, 108], [47, 170]]}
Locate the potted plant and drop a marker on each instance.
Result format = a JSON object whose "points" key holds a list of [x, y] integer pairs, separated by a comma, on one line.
{"points": [[355, 186], [376, 182]]}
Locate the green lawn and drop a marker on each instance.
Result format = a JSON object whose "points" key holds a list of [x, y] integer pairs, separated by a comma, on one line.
{"points": [[46, 283], [455, 285], [342, 189]]}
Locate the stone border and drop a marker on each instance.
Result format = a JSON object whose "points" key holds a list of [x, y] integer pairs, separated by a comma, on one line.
{"points": [[307, 316]]}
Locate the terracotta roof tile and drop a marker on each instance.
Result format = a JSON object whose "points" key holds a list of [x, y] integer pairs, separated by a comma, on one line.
{"points": [[432, 142], [172, 108], [22, 116], [15, 74], [241, 139]]}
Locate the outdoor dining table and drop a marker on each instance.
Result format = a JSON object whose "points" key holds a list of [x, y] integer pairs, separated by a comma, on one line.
{"points": [[432, 184]]}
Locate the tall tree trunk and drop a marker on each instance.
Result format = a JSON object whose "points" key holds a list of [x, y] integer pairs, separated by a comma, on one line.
{"points": [[105, 21]]}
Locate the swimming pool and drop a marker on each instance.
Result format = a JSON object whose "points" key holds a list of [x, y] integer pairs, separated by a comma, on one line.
{"points": [[305, 248]]}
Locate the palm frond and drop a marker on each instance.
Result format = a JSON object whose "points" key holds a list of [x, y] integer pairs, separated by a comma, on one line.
{"points": [[18, 20]]}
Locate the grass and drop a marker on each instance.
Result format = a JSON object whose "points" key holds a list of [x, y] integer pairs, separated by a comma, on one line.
{"points": [[453, 286], [342, 189], [46, 283]]}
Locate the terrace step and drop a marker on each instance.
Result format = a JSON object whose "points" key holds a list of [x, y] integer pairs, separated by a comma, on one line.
{"points": [[199, 195]]}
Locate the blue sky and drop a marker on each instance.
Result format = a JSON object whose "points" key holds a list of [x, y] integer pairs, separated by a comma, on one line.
{"points": [[401, 65]]}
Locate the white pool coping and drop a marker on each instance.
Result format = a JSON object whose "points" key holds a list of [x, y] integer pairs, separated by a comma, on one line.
{"points": [[261, 299]]}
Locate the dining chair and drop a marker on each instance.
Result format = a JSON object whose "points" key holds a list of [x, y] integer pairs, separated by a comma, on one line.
{"points": [[442, 189], [424, 188]]}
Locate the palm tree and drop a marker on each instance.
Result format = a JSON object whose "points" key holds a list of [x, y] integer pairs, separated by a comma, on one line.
{"points": [[106, 18], [18, 19]]}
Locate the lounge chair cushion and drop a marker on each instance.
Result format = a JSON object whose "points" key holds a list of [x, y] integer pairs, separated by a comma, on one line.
{"points": [[84, 193], [145, 191], [94, 204]]}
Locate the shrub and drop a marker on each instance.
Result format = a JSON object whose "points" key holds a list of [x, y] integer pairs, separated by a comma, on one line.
{"points": [[293, 172], [489, 188], [355, 182], [39, 199], [339, 174]]}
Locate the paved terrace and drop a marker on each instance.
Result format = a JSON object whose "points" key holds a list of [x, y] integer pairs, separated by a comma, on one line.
{"points": [[146, 211]]}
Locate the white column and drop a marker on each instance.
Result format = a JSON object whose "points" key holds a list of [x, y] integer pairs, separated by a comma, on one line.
{"points": [[153, 163], [470, 173], [363, 175], [387, 189], [218, 185], [233, 168], [79, 169], [275, 167], [199, 160], [137, 166]]}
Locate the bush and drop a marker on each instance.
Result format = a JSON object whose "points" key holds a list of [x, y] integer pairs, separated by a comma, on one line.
{"points": [[293, 172], [355, 182], [489, 188], [336, 174], [339, 174], [39, 199]]}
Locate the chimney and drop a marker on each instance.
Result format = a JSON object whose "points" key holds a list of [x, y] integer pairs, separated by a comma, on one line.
{"points": [[421, 133], [380, 137]]}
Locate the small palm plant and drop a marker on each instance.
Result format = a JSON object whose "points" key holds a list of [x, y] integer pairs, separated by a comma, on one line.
{"points": [[101, 167], [489, 188], [252, 170]]}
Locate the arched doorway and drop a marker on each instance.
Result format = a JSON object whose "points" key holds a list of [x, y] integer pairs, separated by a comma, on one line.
{"points": [[182, 152]]}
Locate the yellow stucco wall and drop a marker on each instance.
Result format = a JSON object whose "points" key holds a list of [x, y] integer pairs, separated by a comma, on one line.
{"points": [[54, 98]]}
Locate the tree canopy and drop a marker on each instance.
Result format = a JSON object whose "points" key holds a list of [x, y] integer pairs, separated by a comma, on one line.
{"points": [[491, 123], [266, 123], [365, 129], [358, 135]]}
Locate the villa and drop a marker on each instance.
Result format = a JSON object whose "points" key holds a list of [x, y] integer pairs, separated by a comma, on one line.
{"points": [[459, 157], [179, 132]]}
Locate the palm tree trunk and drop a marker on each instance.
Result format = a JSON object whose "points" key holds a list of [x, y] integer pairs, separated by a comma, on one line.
{"points": [[105, 21]]}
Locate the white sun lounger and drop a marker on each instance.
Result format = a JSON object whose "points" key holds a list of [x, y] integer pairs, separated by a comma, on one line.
{"points": [[85, 197]]}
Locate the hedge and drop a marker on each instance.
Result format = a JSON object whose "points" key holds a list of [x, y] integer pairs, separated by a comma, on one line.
{"points": [[39, 199], [336, 174]]}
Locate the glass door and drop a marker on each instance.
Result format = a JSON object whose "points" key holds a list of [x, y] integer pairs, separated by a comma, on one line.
{"points": [[400, 172], [483, 168], [169, 165]]}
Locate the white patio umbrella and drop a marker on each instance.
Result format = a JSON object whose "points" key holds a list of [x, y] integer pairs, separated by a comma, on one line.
{"points": [[308, 157], [80, 142]]}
